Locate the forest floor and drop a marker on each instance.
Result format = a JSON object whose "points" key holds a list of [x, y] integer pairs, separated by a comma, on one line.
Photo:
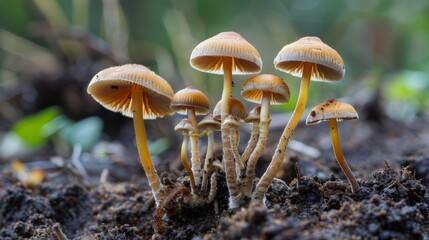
{"points": [[390, 160]]}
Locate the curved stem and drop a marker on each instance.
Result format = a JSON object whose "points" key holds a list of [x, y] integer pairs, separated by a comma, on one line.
{"points": [[251, 143], [231, 178], [209, 158], [140, 131], [184, 158], [336, 145], [236, 155], [280, 152], [195, 150], [260, 146]]}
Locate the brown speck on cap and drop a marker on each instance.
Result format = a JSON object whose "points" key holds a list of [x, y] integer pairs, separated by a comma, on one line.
{"points": [[327, 63], [112, 86], [331, 109]]}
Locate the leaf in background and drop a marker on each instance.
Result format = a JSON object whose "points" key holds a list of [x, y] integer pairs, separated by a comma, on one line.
{"points": [[409, 87], [29, 129], [86, 132], [56, 125], [158, 146]]}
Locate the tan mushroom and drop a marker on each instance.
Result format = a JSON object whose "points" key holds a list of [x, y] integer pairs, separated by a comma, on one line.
{"points": [[191, 102], [266, 89], [210, 124], [137, 92], [185, 127], [226, 53], [312, 59], [333, 111]]}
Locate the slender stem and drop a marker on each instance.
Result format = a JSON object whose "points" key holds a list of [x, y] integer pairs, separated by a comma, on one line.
{"points": [[231, 178], [227, 88], [236, 155], [209, 158], [251, 143], [195, 150], [336, 145], [184, 158], [142, 148], [280, 152], [260, 146]]}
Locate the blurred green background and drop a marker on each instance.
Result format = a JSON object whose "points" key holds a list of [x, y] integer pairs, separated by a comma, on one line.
{"points": [[50, 49]]}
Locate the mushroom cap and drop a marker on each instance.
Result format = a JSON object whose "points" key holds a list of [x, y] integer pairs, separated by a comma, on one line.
{"points": [[331, 109], [208, 56], [254, 87], [209, 121], [112, 87], [184, 126], [327, 63], [236, 108], [232, 121], [254, 115], [190, 98]]}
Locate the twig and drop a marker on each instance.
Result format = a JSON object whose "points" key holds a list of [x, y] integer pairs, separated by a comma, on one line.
{"points": [[75, 160], [59, 232]]}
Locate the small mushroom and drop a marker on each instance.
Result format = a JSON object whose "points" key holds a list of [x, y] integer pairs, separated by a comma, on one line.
{"points": [[226, 53], [210, 124], [236, 109], [308, 58], [253, 117], [137, 92], [265, 89], [333, 111], [192, 102], [185, 127]]}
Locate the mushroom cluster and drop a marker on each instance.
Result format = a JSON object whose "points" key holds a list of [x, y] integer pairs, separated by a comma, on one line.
{"points": [[137, 92]]}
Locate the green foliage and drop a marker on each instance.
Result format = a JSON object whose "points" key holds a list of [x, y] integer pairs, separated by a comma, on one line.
{"points": [[48, 124], [30, 128], [409, 89], [158, 146], [86, 132]]}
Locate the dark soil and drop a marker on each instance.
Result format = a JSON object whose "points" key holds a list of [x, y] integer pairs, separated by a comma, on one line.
{"points": [[390, 160]]}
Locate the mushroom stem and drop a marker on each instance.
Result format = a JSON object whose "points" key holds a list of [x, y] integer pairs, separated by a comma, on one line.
{"points": [[184, 158], [239, 166], [231, 177], [195, 150], [280, 152], [227, 87], [251, 143], [260, 145], [208, 159], [142, 148], [336, 145]]}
